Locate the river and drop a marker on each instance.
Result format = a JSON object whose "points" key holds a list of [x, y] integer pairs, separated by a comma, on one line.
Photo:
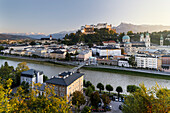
{"points": [[96, 77]]}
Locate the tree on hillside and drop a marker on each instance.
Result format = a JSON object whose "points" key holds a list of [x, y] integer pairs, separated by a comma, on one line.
{"points": [[32, 43], [100, 86], [145, 101], [78, 99], [119, 90], [109, 88], [95, 99], [130, 33]]}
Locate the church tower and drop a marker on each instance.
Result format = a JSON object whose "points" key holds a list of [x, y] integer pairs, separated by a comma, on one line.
{"points": [[142, 39], [147, 41], [51, 37], [161, 40]]}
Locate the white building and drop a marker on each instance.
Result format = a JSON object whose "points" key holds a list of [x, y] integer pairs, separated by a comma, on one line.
{"points": [[123, 63], [32, 76], [147, 62], [104, 51]]}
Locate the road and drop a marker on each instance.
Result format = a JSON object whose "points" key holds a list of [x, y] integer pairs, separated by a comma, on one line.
{"points": [[76, 63]]}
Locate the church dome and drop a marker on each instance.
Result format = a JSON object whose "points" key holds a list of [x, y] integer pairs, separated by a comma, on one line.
{"points": [[126, 37]]}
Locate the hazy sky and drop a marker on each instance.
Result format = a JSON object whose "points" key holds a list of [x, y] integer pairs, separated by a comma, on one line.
{"points": [[51, 16]]}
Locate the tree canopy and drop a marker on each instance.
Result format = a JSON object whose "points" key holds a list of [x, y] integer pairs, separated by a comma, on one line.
{"points": [[100, 86], [78, 98], [145, 100], [109, 88]]}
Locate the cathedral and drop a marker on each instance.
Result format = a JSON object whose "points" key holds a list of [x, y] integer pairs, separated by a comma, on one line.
{"points": [[134, 47]]}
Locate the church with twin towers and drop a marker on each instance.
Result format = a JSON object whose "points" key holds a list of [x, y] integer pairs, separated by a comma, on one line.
{"points": [[134, 47]]}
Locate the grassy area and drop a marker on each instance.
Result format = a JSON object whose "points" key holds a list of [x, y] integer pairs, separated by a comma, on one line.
{"points": [[2, 57], [36, 62], [128, 73]]}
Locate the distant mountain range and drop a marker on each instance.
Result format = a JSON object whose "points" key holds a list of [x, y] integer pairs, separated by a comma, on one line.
{"points": [[38, 35], [13, 37], [125, 27]]}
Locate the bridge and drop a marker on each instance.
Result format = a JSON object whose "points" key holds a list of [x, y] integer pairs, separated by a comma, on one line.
{"points": [[76, 68]]}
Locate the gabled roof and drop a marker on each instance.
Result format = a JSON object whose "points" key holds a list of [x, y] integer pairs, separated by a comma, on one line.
{"points": [[65, 81], [31, 73]]}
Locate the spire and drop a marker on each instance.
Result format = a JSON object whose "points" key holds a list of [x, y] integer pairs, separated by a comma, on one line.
{"points": [[161, 38]]}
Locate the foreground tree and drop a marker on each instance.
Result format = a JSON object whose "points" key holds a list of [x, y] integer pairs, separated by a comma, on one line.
{"points": [[109, 88], [119, 90], [105, 100], [95, 99], [144, 100], [100, 86], [78, 99], [31, 103], [132, 88], [89, 91]]}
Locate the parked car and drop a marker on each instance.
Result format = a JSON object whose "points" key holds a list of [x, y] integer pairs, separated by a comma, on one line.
{"points": [[120, 100], [108, 107], [120, 107], [116, 99]]}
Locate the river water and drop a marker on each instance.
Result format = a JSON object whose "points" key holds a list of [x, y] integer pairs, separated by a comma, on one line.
{"points": [[95, 77]]}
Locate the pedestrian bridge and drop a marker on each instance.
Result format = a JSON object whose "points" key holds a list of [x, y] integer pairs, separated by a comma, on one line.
{"points": [[76, 68]]}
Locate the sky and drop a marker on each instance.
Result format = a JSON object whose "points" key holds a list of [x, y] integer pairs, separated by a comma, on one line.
{"points": [[52, 16]]}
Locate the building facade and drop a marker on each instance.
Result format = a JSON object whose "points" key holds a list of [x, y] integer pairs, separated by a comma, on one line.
{"points": [[32, 76], [66, 83]]}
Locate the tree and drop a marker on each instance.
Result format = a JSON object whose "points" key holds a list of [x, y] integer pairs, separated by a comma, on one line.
{"points": [[88, 83], [145, 101], [93, 87], [130, 33], [105, 100], [89, 91], [86, 109], [67, 57], [119, 89], [95, 99], [25, 86], [20, 68], [122, 51], [78, 99], [32, 43], [100, 86], [45, 78], [132, 88], [109, 88], [132, 61], [31, 103]]}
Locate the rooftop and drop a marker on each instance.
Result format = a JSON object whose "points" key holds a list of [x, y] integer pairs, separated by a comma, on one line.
{"points": [[66, 80], [31, 73]]}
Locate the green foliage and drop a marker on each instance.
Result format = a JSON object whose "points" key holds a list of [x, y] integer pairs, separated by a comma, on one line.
{"points": [[132, 88], [89, 91], [132, 61], [78, 99], [25, 86], [100, 86], [88, 83], [145, 100], [31, 103], [105, 100], [68, 57], [32, 43], [95, 99], [93, 87], [119, 90], [109, 88], [45, 78], [86, 109]]}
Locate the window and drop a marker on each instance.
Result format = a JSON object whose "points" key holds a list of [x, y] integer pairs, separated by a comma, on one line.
{"points": [[63, 89], [60, 88]]}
